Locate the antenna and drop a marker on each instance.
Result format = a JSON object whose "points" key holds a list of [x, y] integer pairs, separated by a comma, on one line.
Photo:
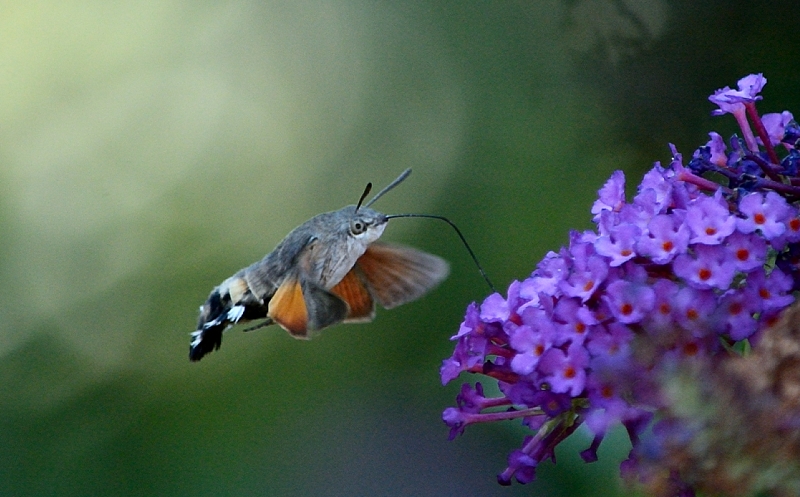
{"points": [[363, 196], [394, 183], [441, 218]]}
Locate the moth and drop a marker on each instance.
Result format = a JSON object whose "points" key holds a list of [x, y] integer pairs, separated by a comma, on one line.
{"points": [[331, 269]]}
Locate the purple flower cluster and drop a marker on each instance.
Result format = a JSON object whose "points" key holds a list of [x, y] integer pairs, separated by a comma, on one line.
{"points": [[685, 270]]}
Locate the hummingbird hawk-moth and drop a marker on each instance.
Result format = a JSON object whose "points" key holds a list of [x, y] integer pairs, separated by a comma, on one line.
{"points": [[330, 269]]}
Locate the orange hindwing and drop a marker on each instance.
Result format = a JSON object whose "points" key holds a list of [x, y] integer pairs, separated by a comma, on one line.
{"points": [[355, 293], [288, 308]]}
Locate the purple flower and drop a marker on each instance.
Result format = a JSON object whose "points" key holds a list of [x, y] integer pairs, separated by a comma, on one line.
{"points": [[565, 372], [629, 302], [771, 291], [574, 321], [792, 233], [470, 403], [746, 252], [618, 242], [662, 317], [716, 146], [709, 220], [735, 102], [530, 342], [708, 267], [472, 322], [548, 275], [749, 88], [678, 274], [520, 465], [656, 191], [736, 311], [667, 236], [611, 408], [609, 348], [775, 124], [587, 271], [693, 309], [472, 345], [611, 195], [766, 213], [494, 309], [726, 105]]}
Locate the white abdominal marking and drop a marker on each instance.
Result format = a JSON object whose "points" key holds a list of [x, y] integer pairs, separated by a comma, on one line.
{"points": [[235, 314]]}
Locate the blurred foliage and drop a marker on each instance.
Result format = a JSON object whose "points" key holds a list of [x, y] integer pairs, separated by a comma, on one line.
{"points": [[150, 149]]}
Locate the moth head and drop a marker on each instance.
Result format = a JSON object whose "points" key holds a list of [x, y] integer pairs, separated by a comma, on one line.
{"points": [[365, 225]]}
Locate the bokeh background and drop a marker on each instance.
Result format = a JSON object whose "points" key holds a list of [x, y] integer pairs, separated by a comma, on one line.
{"points": [[150, 149]]}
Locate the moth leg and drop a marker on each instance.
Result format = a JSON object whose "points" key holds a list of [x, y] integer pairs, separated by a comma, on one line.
{"points": [[262, 324]]}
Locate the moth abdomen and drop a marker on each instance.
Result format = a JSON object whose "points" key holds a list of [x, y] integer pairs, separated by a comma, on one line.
{"points": [[229, 303], [210, 325]]}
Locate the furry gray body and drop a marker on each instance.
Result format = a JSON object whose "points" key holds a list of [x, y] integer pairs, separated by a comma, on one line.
{"points": [[319, 253]]}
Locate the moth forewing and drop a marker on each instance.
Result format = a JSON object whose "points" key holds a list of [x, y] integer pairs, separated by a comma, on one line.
{"points": [[397, 275]]}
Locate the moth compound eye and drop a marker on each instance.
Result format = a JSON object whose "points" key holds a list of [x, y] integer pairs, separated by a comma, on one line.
{"points": [[357, 227]]}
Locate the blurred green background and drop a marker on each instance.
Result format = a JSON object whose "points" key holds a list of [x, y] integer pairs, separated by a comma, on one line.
{"points": [[148, 150]]}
